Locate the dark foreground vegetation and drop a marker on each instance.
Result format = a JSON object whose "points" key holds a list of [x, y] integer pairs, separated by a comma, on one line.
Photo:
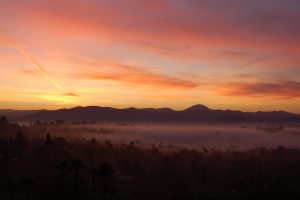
{"points": [[42, 168]]}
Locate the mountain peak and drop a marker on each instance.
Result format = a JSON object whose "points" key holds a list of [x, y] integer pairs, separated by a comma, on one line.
{"points": [[197, 107]]}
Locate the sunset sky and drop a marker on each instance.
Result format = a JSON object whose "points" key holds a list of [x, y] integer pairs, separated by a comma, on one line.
{"points": [[230, 54]]}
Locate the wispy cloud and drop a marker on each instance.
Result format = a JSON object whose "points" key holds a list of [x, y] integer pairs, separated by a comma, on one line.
{"points": [[131, 74], [70, 94], [281, 89]]}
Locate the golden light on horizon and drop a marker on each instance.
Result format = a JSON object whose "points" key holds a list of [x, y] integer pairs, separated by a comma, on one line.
{"points": [[59, 98]]}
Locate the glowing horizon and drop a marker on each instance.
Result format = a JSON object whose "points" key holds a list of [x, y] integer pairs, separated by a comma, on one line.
{"points": [[240, 55]]}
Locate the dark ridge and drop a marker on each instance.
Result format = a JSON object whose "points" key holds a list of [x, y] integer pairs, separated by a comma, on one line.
{"points": [[195, 114]]}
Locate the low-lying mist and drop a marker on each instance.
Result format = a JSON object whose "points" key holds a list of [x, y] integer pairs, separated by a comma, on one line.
{"points": [[219, 137]]}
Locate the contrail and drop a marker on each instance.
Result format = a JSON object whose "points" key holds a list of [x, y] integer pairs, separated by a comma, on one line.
{"points": [[254, 61], [7, 41], [36, 65]]}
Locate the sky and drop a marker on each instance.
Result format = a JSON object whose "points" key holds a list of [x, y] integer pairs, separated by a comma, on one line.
{"points": [[230, 54]]}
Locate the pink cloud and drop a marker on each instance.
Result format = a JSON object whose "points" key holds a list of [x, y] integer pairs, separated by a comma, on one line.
{"points": [[155, 26], [281, 89], [130, 74]]}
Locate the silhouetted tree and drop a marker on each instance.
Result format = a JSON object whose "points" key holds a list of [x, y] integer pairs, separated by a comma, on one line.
{"points": [[3, 120], [95, 179], [49, 141], [38, 122], [11, 188], [62, 167], [76, 165], [27, 183], [59, 122], [106, 174], [20, 141]]}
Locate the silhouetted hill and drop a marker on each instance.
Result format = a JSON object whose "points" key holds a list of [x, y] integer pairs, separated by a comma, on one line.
{"points": [[194, 114], [197, 108], [16, 115]]}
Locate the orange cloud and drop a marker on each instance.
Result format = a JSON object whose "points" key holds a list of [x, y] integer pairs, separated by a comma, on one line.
{"points": [[170, 97], [130, 74], [70, 94], [281, 89], [29, 72]]}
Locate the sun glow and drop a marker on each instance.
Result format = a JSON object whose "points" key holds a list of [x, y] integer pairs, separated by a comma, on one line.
{"points": [[59, 98]]}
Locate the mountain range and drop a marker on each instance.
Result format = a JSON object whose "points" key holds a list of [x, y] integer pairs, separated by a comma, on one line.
{"points": [[194, 114]]}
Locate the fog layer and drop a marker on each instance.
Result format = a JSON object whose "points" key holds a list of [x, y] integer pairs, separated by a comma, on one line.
{"points": [[192, 136]]}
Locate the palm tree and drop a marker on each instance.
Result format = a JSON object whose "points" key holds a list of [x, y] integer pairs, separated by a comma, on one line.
{"points": [[28, 182], [62, 168], [11, 188], [20, 141], [49, 141], [106, 173], [3, 120], [95, 175], [76, 165]]}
